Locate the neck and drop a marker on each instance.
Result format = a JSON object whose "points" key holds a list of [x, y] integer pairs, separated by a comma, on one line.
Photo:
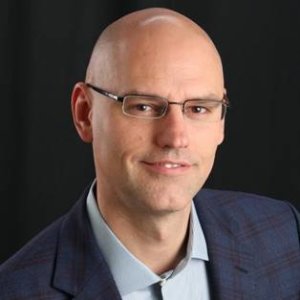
{"points": [[159, 241]]}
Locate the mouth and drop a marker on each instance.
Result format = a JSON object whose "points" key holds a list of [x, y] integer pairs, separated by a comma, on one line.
{"points": [[168, 167]]}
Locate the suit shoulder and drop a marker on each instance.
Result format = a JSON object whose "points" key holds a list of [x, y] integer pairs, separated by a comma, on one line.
{"points": [[260, 232], [259, 213], [31, 264], [244, 200], [29, 274]]}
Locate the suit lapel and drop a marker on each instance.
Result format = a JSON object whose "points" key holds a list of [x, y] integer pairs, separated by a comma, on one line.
{"points": [[231, 260], [80, 269]]}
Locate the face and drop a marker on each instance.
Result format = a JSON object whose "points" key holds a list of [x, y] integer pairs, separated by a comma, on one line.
{"points": [[156, 166]]}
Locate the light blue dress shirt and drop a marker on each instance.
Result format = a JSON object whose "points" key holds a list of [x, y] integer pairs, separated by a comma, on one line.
{"points": [[135, 281]]}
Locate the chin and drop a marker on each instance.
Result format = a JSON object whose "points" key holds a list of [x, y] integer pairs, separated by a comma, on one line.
{"points": [[167, 203]]}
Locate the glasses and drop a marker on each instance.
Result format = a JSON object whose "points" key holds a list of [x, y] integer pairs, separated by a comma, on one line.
{"points": [[154, 107]]}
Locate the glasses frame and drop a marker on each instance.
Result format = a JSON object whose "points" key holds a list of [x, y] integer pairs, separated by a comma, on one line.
{"points": [[224, 101]]}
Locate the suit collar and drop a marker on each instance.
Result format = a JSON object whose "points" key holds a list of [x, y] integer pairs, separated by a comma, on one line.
{"points": [[231, 259], [80, 269]]}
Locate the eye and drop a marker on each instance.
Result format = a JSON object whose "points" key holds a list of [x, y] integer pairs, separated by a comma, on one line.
{"points": [[148, 107], [142, 107], [201, 107], [203, 110], [198, 109]]}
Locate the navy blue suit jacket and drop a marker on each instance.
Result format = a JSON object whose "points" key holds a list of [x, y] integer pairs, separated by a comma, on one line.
{"points": [[253, 247]]}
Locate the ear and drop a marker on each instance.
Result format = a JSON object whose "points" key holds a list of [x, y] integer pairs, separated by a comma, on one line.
{"points": [[82, 112]]}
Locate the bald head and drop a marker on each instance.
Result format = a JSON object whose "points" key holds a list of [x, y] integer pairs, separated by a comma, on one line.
{"points": [[139, 21], [143, 36]]}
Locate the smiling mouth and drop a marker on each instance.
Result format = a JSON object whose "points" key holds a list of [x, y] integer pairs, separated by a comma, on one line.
{"points": [[168, 167], [171, 165]]}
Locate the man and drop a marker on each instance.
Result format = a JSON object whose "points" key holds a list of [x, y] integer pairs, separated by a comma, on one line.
{"points": [[153, 106]]}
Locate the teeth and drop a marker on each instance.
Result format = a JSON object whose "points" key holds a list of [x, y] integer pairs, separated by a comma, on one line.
{"points": [[171, 166]]}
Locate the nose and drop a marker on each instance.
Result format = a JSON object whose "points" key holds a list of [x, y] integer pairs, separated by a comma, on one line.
{"points": [[172, 129]]}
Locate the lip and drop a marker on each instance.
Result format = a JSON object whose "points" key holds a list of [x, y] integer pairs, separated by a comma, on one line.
{"points": [[168, 167]]}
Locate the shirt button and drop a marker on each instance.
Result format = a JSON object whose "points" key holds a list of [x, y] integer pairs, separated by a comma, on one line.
{"points": [[163, 282]]}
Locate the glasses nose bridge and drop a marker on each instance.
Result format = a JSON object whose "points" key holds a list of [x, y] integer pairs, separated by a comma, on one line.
{"points": [[182, 104]]}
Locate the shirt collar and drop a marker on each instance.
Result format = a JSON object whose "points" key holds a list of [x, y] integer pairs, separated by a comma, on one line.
{"points": [[120, 260], [197, 242]]}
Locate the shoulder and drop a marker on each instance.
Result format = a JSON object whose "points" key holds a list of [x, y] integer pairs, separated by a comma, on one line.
{"points": [[249, 203], [32, 265], [249, 212], [30, 273], [257, 233]]}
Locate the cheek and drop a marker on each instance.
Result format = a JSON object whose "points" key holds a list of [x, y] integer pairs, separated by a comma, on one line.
{"points": [[207, 139], [104, 134], [118, 137], [131, 135], [220, 132], [131, 139]]}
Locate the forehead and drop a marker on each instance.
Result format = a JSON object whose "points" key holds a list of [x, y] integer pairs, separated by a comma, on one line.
{"points": [[163, 55]]}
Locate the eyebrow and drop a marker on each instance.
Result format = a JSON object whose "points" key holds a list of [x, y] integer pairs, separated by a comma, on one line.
{"points": [[209, 96]]}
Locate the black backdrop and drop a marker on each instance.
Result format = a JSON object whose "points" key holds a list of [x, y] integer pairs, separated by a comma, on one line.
{"points": [[44, 50]]}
